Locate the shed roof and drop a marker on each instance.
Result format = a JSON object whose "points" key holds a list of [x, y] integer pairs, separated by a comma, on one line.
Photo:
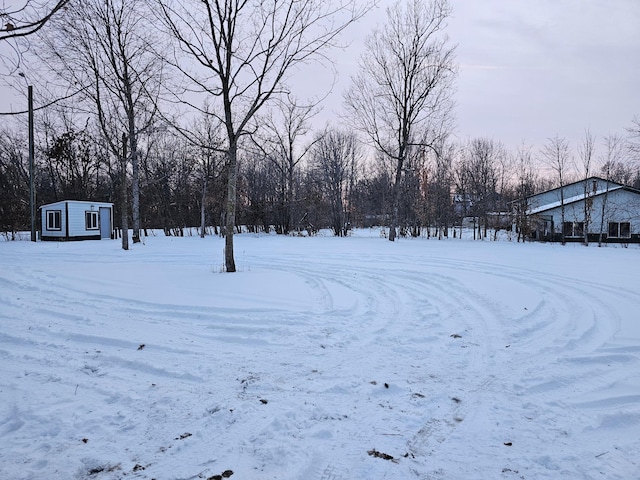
{"points": [[87, 202]]}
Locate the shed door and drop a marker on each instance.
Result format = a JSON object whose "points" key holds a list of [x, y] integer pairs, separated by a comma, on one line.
{"points": [[105, 222]]}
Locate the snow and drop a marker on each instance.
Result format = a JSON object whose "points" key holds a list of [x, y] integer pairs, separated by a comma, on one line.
{"points": [[319, 359]]}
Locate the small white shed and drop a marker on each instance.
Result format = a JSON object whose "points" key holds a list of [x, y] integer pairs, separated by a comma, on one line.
{"points": [[77, 220]]}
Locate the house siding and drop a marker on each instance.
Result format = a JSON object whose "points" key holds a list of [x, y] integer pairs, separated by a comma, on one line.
{"points": [[606, 202]]}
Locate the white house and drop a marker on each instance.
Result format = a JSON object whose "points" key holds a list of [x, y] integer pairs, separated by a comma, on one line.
{"points": [[603, 207], [77, 220]]}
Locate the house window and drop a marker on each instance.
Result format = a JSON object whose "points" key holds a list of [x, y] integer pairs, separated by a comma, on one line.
{"points": [[91, 220], [54, 219], [573, 229], [578, 229], [619, 230]]}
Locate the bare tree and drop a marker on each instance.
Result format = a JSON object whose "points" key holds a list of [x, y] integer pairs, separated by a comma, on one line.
{"points": [[524, 188], [211, 167], [371, 193], [246, 52], [261, 192], [443, 176], [21, 19], [413, 204], [280, 141], [106, 46], [462, 201], [485, 163], [14, 184], [634, 133], [586, 151], [404, 83], [334, 161], [611, 163], [204, 136], [124, 197], [556, 152], [633, 145]]}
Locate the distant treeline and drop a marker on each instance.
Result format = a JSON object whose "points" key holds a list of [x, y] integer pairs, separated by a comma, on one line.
{"points": [[333, 184]]}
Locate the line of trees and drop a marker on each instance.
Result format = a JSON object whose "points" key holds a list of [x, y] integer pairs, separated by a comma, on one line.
{"points": [[325, 180]]}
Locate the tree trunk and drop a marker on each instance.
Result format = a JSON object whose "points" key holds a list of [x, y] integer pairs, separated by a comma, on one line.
{"points": [[123, 195], [396, 200], [135, 194], [135, 164], [602, 213], [587, 214], [290, 222], [562, 213], [202, 206], [231, 205]]}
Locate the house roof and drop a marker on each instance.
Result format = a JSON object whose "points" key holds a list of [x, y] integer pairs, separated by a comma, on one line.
{"points": [[590, 179], [611, 184], [577, 198], [611, 187]]}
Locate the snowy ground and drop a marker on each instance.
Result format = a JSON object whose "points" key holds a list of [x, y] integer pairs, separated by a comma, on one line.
{"points": [[320, 360]]}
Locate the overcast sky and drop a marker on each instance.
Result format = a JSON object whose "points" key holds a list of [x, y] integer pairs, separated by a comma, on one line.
{"points": [[529, 69]]}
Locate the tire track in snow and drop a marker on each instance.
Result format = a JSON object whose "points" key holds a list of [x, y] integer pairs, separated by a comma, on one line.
{"points": [[575, 324], [489, 339], [384, 320], [395, 312], [73, 356]]}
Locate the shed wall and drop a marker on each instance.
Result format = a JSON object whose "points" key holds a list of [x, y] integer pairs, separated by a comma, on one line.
{"points": [[76, 219], [73, 220], [60, 206]]}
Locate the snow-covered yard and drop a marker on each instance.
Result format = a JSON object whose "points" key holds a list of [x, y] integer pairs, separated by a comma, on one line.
{"points": [[322, 359]]}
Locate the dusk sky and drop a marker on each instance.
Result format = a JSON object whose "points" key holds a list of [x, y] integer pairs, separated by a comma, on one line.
{"points": [[529, 69]]}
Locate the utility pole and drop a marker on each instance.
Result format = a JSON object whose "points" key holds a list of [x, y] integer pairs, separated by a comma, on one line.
{"points": [[32, 191], [123, 195]]}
